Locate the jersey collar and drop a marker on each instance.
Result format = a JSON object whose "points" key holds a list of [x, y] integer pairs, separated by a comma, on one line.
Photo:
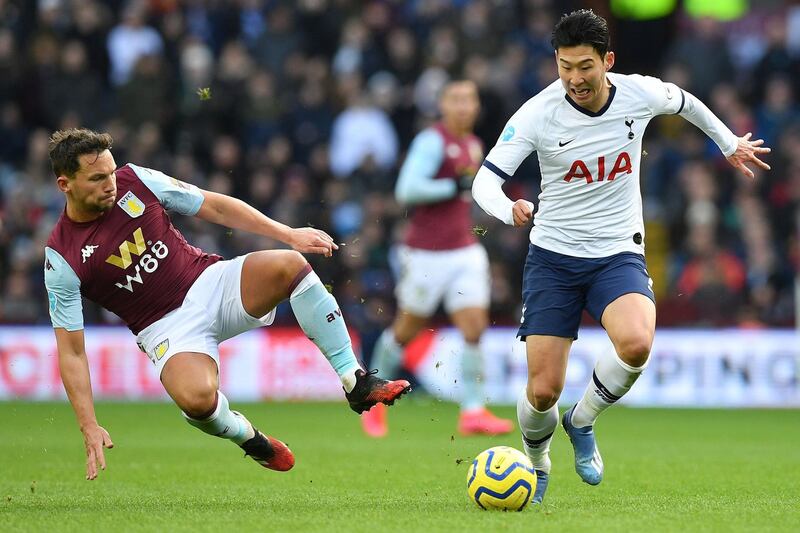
{"points": [[611, 92]]}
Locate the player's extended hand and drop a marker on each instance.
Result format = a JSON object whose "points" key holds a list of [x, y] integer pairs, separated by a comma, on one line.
{"points": [[312, 241], [95, 438], [522, 211], [746, 153]]}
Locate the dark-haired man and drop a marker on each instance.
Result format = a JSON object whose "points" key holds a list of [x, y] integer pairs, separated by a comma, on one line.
{"points": [[115, 245], [587, 245], [441, 260]]}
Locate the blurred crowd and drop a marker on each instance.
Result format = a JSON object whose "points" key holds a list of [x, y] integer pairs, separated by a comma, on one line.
{"points": [[305, 109]]}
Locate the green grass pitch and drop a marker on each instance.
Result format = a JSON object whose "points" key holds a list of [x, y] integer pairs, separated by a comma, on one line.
{"points": [[666, 470]]}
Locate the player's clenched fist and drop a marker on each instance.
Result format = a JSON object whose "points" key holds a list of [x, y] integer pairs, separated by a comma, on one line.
{"points": [[523, 212], [95, 438]]}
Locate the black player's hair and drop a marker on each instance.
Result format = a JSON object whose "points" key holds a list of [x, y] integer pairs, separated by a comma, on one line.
{"points": [[66, 146], [582, 27]]}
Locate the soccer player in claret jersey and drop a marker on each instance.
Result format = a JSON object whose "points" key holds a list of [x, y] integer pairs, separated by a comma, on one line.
{"points": [[587, 243], [441, 260], [115, 245]]}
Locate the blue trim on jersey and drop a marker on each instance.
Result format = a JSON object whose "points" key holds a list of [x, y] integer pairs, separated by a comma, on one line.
{"points": [[173, 194], [683, 102], [63, 292], [602, 110], [417, 183], [494, 168]]}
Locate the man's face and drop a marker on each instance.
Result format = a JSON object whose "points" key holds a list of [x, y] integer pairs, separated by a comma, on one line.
{"points": [[460, 105], [583, 74], [94, 186]]}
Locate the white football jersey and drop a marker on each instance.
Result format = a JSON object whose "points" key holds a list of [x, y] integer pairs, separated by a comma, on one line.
{"points": [[590, 204]]}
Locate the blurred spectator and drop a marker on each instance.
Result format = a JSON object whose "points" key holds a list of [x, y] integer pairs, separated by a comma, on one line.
{"points": [[130, 40], [713, 279], [703, 52], [362, 131], [65, 97]]}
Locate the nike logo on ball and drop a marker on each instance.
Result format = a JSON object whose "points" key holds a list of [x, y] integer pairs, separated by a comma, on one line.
{"points": [[564, 143]]}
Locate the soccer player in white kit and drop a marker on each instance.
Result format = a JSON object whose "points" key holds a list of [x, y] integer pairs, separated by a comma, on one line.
{"points": [[587, 243]]}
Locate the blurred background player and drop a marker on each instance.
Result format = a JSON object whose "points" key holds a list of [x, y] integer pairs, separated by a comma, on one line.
{"points": [[115, 245], [587, 246], [441, 259]]}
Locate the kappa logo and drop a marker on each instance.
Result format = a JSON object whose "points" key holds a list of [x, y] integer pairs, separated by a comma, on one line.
{"points": [[123, 260], [88, 250], [131, 205]]}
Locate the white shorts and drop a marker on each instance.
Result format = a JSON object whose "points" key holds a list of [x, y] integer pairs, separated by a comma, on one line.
{"points": [[211, 313], [459, 278]]}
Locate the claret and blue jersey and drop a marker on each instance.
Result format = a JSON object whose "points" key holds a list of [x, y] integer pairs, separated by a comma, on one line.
{"points": [[131, 260]]}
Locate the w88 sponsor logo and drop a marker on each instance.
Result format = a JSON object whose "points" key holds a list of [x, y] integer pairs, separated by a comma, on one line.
{"points": [[148, 262]]}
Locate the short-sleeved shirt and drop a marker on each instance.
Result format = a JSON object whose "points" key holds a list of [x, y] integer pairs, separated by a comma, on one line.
{"points": [[590, 204], [445, 225], [131, 260]]}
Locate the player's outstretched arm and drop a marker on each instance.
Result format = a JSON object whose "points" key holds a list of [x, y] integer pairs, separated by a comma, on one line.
{"points": [[234, 213], [740, 151], [74, 369], [747, 151]]}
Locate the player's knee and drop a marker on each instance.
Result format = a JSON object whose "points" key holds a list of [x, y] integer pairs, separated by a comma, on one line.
{"points": [[543, 398], [198, 402], [472, 334], [635, 349], [293, 264], [294, 261], [403, 339]]}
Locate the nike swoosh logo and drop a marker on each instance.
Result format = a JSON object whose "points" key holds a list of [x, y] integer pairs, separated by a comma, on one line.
{"points": [[562, 144]]}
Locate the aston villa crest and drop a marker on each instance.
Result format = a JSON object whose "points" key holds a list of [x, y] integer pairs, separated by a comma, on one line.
{"points": [[131, 205]]}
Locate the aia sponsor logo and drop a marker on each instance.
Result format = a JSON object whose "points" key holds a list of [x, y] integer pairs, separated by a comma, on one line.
{"points": [[581, 171]]}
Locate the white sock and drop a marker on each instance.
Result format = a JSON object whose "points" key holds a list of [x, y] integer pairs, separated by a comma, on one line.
{"points": [[224, 423], [611, 379], [387, 355], [537, 431], [471, 377]]}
